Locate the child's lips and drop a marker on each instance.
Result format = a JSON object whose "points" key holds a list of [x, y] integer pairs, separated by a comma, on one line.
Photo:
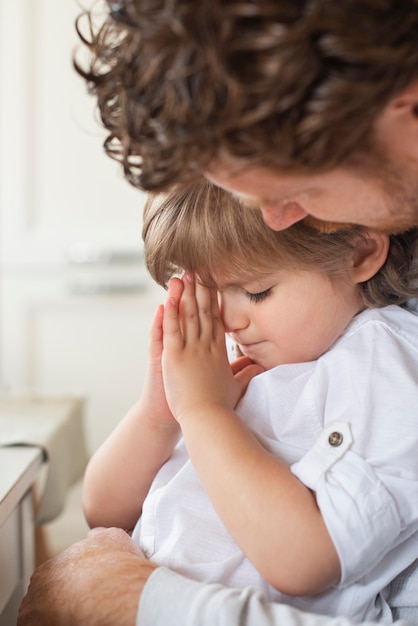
{"points": [[250, 345]]}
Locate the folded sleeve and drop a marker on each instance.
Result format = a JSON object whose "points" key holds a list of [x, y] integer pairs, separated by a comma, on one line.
{"points": [[358, 510]]}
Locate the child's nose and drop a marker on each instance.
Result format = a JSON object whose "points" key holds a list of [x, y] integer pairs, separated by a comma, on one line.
{"points": [[234, 317]]}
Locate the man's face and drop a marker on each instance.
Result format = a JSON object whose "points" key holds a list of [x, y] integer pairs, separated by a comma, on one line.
{"points": [[386, 199]]}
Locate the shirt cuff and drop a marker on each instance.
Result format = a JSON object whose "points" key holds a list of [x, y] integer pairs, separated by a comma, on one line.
{"points": [[359, 512], [332, 444]]}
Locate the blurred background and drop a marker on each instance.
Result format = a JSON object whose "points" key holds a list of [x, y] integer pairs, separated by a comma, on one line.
{"points": [[76, 301]]}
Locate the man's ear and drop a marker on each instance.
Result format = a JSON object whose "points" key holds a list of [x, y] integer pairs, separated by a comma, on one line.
{"points": [[397, 125], [369, 255]]}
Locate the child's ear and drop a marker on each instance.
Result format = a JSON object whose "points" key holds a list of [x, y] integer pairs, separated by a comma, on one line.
{"points": [[369, 255]]}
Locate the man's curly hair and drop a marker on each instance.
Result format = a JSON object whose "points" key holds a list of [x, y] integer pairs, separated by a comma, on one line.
{"points": [[293, 84]]}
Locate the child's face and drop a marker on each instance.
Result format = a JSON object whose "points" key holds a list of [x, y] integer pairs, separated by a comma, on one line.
{"points": [[287, 316]]}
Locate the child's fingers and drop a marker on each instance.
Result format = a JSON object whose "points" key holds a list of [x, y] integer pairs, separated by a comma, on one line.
{"points": [[240, 363], [204, 310], [175, 288], [172, 334], [189, 316], [217, 323], [246, 374], [156, 333]]}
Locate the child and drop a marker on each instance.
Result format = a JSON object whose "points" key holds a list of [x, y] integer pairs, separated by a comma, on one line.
{"points": [[306, 485]]}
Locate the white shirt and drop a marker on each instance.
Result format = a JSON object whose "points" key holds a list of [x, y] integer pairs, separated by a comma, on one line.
{"points": [[365, 390], [171, 599]]}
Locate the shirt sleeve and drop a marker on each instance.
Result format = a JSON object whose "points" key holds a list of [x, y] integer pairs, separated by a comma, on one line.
{"points": [[169, 598], [345, 484]]}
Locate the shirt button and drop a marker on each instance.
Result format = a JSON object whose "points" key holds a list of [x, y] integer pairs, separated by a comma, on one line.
{"points": [[335, 439]]}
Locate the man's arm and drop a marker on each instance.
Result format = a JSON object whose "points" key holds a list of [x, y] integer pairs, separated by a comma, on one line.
{"points": [[96, 582], [99, 581], [169, 598]]}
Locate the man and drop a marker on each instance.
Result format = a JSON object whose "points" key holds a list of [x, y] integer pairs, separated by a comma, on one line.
{"points": [[305, 109]]}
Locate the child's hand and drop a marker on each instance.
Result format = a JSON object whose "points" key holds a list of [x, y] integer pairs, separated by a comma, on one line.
{"points": [[153, 399], [244, 370], [196, 371]]}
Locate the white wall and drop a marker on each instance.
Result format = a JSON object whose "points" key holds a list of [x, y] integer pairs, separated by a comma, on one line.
{"points": [[76, 301]]}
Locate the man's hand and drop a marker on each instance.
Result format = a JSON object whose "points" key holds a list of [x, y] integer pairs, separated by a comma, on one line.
{"points": [[96, 582]]}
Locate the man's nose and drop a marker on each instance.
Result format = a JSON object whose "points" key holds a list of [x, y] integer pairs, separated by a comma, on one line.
{"points": [[280, 217]]}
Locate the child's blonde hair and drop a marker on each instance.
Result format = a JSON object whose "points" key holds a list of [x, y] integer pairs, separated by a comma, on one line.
{"points": [[205, 230]]}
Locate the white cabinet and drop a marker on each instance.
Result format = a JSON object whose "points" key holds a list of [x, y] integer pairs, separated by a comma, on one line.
{"points": [[19, 468]]}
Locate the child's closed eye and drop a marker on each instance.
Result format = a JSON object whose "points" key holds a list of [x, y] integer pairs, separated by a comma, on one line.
{"points": [[260, 296]]}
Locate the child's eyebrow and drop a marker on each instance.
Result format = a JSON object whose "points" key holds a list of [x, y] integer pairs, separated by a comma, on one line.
{"points": [[242, 283], [221, 286], [214, 284]]}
